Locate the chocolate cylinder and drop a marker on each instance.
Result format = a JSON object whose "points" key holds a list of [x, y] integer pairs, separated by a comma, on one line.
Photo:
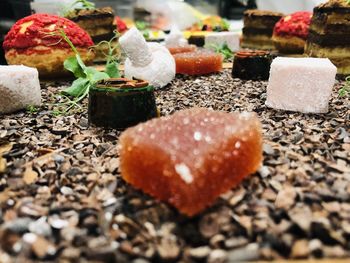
{"points": [[121, 103], [252, 65]]}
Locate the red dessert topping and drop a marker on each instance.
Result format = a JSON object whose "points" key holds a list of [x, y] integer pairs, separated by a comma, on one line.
{"points": [[35, 30], [296, 24], [121, 26]]}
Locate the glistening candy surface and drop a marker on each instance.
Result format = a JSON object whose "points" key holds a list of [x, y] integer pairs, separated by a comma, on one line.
{"points": [[198, 63], [190, 158]]}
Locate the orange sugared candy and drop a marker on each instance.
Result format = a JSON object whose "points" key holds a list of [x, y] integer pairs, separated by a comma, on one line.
{"points": [[198, 62], [181, 49], [190, 158]]}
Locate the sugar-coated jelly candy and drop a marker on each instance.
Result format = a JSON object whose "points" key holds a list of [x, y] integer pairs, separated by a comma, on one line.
{"points": [[191, 157], [181, 49], [198, 62]]}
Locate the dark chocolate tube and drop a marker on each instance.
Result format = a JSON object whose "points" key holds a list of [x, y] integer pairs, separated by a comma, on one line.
{"points": [[121, 103], [252, 65]]}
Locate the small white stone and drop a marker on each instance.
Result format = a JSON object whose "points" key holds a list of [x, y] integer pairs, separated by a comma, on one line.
{"points": [[30, 238], [184, 172], [220, 38], [301, 84], [19, 88]]}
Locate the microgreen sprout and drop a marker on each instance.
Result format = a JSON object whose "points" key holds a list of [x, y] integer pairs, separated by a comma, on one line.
{"points": [[223, 50], [345, 90], [86, 76]]}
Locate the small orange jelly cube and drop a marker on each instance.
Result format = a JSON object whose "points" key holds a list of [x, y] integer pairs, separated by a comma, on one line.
{"points": [[190, 158], [181, 49], [198, 62]]}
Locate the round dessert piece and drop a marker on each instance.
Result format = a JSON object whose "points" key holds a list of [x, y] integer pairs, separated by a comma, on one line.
{"points": [[252, 65], [181, 49], [121, 103], [32, 42], [198, 62], [290, 33]]}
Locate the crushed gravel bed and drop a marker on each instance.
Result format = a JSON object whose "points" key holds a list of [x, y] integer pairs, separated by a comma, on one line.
{"points": [[62, 197]]}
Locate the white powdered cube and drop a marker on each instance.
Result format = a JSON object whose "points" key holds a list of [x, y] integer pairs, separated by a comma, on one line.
{"points": [[220, 38], [19, 88], [301, 84]]}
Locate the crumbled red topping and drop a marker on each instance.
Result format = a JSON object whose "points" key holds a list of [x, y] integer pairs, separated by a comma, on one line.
{"points": [[33, 30], [296, 24], [121, 26]]}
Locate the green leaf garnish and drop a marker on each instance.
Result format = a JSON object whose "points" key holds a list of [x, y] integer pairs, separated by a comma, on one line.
{"points": [[112, 69], [71, 64], [345, 90], [86, 76], [32, 109], [226, 25], [223, 50], [143, 27]]}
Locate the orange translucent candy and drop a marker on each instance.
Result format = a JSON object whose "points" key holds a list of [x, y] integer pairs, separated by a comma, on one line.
{"points": [[190, 158], [181, 49], [198, 62]]}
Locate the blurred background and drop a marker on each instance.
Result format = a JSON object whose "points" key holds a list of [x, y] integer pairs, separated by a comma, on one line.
{"points": [[180, 12]]}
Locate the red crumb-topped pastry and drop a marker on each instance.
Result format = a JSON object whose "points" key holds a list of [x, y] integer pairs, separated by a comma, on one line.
{"points": [[290, 33], [32, 42], [296, 24], [34, 30]]}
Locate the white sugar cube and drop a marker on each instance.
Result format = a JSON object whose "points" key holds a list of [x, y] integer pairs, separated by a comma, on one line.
{"points": [[220, 38], [301, 84], [19, 88]]}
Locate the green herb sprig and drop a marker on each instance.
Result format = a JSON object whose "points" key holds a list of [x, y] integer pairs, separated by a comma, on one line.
{"points": [[85, 4], [345, 90], [32, 109], [144, 28], [223, 50], [226, 25], [86, 76]]}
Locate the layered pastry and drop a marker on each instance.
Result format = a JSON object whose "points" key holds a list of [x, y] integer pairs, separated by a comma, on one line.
{"points": [[252, 65], [329, 35], [121, 103], [34, 41], [99, 23], [258, 29], [290, 33]]}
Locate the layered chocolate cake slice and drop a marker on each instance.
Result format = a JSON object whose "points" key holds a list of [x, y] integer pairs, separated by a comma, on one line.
{"points": [[329, 34], [99, 23], [258, 29]]}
